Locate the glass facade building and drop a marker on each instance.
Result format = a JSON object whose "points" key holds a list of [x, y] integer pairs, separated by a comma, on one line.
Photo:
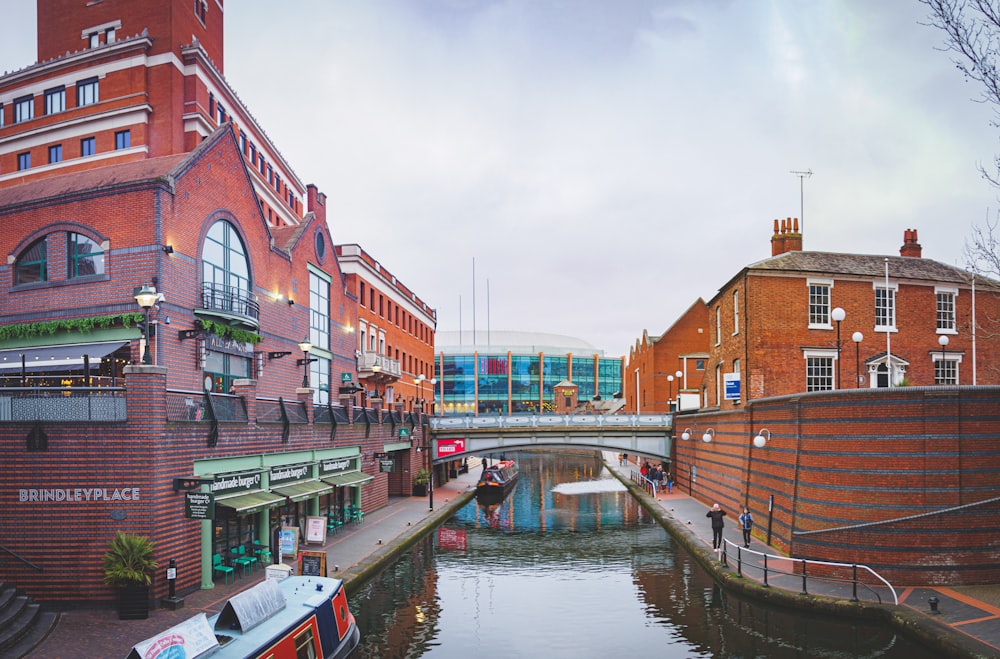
{"points": [[517, 372]]}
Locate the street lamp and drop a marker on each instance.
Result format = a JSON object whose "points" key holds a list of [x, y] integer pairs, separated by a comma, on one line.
{"points": [[678, 375], [857, 337], [670, 399], [305, 345], [943, 342], [146, 297], [419, 381], [376, 369], [838, 315]]}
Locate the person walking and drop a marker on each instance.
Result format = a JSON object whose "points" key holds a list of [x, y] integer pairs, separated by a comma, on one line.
{"points": [[746, 523], [655, 475], [670, 482], [716, 514]]}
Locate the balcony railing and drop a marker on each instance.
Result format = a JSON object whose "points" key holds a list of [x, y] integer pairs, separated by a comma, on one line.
{"points": [[390, 367], [30, 404], [230, 300]]}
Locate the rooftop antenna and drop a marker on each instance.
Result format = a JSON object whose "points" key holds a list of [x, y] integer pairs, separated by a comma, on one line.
{"points": [[802, 203]]}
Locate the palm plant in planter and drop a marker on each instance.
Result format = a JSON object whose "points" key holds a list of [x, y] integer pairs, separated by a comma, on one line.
{"points": [[420, 481], [128, 564]]}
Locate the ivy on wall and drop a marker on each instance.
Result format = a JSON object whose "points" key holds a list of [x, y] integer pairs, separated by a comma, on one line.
{"points": [[229, 332], [82, 325]]}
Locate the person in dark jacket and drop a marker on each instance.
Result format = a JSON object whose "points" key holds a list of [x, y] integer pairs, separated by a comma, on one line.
{"points": [[716, 513], [746, 523]]}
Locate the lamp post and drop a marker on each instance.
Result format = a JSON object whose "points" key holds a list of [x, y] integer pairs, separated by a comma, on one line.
{"points": [[376, 369], [838, 315], [670, 399], [419, 380], [678, 375], [857, 337], [943, 342], [146, 297], [305, 345]]}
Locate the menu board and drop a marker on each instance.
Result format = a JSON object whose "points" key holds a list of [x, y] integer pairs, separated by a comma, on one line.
{"points": [[316, 529], [312, 563], [288, 540]]}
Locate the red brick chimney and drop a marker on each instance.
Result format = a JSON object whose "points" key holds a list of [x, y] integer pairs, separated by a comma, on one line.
{"points": [[787, 238], [316, 202], [910, 245]]}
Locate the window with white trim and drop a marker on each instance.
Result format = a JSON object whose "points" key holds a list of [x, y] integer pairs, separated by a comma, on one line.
{"points": [[24, 109], [820, 372], [945, 307], [945, 371], [819, 302], [87, 92], [736, 312], [55, 100], [718, 326], [885, 308]]}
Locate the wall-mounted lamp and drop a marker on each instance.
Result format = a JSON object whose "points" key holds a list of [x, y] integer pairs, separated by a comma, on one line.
{"points": [[169, 249], [278, 354], [686, 435], [763, 436], [708, 436]]}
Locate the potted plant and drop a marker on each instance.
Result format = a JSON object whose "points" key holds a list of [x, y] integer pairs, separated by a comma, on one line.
{"points": [[128, 565], [420, 481]]}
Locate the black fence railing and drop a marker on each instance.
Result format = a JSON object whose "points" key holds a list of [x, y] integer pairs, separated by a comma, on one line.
{"points": [[230, 299], [35, 404]]}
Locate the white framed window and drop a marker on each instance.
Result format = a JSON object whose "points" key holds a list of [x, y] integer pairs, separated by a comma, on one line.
{"points": [[55, 100], [945, 308], [24, 109], [736, 312], [819, 303], [718, 325], [319, 309], [87, 92], [820, 369], [885, 307]]}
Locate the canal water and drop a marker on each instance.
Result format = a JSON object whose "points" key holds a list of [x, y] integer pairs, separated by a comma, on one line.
{"points": [[569, 565]]}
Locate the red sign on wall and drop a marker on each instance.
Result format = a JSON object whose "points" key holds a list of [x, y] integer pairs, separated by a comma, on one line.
{"points": [[451, 446]]}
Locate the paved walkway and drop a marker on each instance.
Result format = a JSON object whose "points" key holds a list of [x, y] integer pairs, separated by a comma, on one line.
{"points": [[968, 618]]}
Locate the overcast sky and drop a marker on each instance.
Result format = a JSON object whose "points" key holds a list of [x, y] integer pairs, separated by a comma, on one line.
{"points": [[604, 163]]}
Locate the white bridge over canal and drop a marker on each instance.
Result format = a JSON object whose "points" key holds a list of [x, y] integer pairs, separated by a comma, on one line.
{"points": [[636, 434]]}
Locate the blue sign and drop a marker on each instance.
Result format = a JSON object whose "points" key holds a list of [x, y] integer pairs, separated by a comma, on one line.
{"points": [[732, 381]]}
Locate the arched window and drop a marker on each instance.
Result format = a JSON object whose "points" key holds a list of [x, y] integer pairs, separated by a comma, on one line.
{"points": [[225, 270], [85, 256], [30, 266]]}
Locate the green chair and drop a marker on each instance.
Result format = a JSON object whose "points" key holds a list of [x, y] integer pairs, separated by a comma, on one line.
{"points": [[262, 553], [219, 566], [240, 558], [247, 557]]}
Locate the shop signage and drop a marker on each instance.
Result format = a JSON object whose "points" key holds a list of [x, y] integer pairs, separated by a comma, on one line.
{"points": [[199, 505], [732, 381], [289, 473], [329, 467], [451, 446], [74, 494], [217, 343], [404, 433], [236, 483], [345, 377], [288, 540], [316, 529], [387, 465]]}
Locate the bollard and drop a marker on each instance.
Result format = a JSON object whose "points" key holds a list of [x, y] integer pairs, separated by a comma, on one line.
{"points": [[933, 601]]}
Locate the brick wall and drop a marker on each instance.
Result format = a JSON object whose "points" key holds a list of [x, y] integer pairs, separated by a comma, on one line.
{"points": [[902, 480]]}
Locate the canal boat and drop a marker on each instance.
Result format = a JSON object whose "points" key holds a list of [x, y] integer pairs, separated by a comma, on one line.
{"points": [[296, 616], [496, 481]]}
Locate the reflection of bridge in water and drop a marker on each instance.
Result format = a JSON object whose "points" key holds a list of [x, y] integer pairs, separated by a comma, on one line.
{"points": [[636, 434]]}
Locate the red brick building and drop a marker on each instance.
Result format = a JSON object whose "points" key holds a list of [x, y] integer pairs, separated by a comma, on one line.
{"points": [[668, 369], [131, 173], [396, 332], [883, 450]]}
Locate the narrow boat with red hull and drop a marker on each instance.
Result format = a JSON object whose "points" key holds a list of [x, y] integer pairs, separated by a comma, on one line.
{"points": [[496, 481]]}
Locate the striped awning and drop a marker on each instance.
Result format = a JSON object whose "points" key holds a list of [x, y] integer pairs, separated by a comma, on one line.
{"points": [[350, 479], [302, 490]]}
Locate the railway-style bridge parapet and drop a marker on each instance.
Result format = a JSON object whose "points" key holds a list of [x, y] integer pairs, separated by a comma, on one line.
{"points": [[636, 434]]}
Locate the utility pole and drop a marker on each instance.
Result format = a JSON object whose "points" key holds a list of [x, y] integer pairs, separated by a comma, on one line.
{"points": [[802, 204]]}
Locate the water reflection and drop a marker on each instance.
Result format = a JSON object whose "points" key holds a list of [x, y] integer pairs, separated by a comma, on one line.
{"points": [[570, 566]]}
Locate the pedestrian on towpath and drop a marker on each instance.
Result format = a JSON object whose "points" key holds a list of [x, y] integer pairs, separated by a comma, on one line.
{"points": [[716, 513], [746, 523]]}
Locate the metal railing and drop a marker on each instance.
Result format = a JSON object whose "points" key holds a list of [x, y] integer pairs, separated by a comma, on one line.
{"points": [[801, 570], [33, 404], [24, 560], [230, 299], [553, 420]]}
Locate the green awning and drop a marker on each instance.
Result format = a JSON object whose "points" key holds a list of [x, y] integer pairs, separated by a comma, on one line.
{"points": [[302, 490], [249, 502], [349, 479]]}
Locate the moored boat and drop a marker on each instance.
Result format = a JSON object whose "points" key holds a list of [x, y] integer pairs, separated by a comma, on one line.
{"points": [[496, 481]]}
